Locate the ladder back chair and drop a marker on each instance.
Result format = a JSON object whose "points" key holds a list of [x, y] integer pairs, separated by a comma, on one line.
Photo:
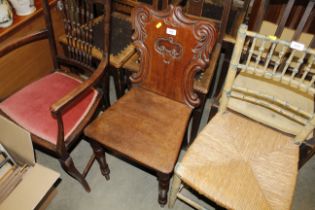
{"points": [[148, 123], [56, 108], [245, 159]]}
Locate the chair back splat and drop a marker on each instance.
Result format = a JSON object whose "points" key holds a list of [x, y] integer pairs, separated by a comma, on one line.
{"points": [[181, 47], [287, 66]]}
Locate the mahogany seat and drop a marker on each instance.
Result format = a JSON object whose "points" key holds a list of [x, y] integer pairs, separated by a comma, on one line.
{"points": [[147, 125]]}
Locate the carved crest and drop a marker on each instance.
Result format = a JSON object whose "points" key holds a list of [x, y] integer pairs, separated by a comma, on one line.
{"points": [[168, 48], [183, 44]]}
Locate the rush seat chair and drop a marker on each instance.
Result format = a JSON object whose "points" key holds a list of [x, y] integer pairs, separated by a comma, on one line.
{"points": [[246, 157]]}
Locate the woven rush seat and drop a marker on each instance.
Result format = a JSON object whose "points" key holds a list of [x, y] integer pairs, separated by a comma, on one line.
{"points": [[121, 47], [145, 127], [263, 163]]}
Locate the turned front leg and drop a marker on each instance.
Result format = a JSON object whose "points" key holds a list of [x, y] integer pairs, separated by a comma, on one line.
{"points": [[164, 182], [101, 159]]}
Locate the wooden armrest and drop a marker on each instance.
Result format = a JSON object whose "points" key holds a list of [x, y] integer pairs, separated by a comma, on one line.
{"points": [[63, 103], [40, 35], [202, 84]]}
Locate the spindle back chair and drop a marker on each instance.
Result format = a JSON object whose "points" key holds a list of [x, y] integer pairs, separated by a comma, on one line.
{"points": [[244, 158], [291, 76]]}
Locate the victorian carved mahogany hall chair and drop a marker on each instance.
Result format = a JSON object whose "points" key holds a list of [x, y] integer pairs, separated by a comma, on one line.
{"points": [[215, 10], [56, 108], [148, 123]]}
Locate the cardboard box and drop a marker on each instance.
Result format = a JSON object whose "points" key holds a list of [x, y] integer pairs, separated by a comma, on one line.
{"points": [[37, 181]]}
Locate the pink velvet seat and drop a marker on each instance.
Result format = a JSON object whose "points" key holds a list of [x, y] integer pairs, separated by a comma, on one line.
{"points": [[56, 108], [30, 107]]}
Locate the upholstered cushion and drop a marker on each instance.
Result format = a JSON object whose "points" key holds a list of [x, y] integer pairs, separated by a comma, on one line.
{"points": [[241, 164], [30, 107]]}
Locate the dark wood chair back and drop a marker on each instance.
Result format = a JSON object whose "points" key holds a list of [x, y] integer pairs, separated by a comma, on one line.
{"points": [[229, 15], [78, 16], [294, 14], [172, 49]]}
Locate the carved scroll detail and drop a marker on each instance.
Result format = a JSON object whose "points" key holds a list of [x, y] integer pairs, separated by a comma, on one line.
{"points": [[142, 17], [168, 48], [205, 34]]}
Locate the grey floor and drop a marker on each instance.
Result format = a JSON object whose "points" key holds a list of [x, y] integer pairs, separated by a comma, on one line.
{"points": [[132, 188]]}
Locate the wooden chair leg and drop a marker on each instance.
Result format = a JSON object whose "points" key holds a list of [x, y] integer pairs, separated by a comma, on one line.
{"points": [[128, 81], [176, 183], [100, 157], [164, 182], [118, 83], [68, 165], [213, 110], [306, 153], [105, 85], [196, 118]]}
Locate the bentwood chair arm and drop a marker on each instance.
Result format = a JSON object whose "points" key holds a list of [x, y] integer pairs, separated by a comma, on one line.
{"points": [[78, 92], [28, 39]]}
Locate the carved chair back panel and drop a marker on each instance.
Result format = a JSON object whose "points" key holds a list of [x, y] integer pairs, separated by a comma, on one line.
{"points": [[172, 49]]}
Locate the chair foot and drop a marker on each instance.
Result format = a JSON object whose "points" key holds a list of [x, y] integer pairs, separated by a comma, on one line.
{"points": [[101, 159], [164, 182], [68, 165], [176, 183]]}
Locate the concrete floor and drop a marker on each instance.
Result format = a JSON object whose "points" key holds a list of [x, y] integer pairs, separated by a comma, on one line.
{"points": [[132, 188]]}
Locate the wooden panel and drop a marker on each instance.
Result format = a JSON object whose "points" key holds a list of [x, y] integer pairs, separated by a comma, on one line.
{"points": [[172, 49], [29, 63]]}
